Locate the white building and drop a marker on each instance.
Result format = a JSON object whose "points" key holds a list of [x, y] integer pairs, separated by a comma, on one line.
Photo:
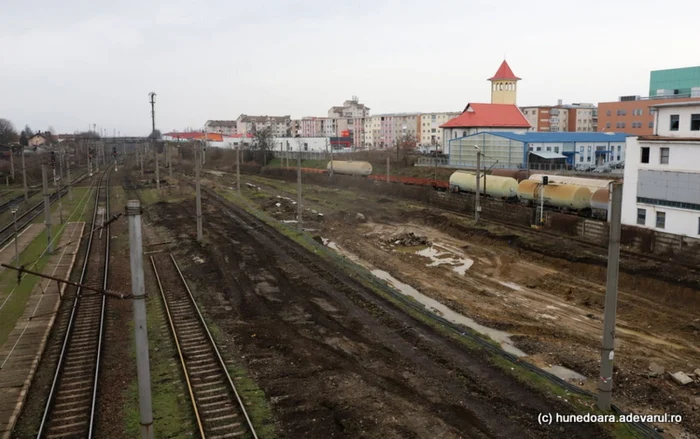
{"points": [[225, 127], [305, 144], [280, 125], [662, 172], [429, 131]]}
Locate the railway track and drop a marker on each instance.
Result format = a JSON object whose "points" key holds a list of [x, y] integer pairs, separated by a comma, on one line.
{"points": [[218, 408], [23, 220], [6, 205], [70, 407]]}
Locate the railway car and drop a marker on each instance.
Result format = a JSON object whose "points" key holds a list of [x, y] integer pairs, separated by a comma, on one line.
{"points": [[600, 202], [518, 174], [563, 196], [492, 185], [592, 183], [350, 167]]}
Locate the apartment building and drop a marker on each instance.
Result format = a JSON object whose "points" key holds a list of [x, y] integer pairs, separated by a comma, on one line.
{"points": [[576, 117], [429, 131], [350, 109], [682, 82], [662, 176], [280, 125], [226, 127], [382, 131]]}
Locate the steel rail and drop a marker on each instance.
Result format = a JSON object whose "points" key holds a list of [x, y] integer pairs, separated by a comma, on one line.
{"points": [[36, 210], [64, 347], [179, 350], [217, 359]]}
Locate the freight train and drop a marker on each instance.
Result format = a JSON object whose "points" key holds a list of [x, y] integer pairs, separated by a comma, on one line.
{"points": [[583, 196]]}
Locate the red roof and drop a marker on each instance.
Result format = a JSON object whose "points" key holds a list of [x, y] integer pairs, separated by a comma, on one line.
{"points": [[489, 116], [504, 72]]}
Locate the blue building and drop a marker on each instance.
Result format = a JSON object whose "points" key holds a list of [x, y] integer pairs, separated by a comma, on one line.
{"points": [[508, 149]]}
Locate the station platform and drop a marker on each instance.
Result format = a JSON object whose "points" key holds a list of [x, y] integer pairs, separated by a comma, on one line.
{"points": [[21, 353]]}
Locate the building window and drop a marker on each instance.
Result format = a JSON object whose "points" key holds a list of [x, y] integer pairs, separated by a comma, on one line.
{"points": [[641, 217], [588, 159], [608, 113], [675, 122], [617, 124], [664, 156], [660, 220], [651, 124], [607, 124], [622, 124], [695, 122], [581, 149], [556, 149], [645, 154]]}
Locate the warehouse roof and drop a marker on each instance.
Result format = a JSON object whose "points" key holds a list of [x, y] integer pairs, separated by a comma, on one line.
{"points": [[489, 116], [543, 137]]}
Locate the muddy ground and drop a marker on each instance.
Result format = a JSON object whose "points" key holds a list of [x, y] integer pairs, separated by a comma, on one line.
{"points": [[551, 306], [333, 358]]}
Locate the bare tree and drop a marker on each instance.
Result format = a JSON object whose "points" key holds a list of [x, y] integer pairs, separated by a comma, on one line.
{"points": [[155, 135], [8, 134], [405, 145], [264, 141], [28, 132]]}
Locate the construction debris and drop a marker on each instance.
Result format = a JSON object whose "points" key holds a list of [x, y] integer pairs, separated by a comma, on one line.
{"points": [[407, 239], [681, 378]]}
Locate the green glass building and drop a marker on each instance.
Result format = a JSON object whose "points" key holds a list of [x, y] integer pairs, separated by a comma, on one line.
{"points": [[675, 82]]}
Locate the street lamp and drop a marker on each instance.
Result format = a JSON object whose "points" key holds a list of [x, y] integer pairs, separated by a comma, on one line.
{"points": [[14, 225]]}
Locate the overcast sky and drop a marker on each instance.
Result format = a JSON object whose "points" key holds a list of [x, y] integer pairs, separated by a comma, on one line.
{"points": [[71, 63]]}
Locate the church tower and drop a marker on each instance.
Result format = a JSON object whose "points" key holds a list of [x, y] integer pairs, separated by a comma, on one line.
{"points": [[504, 85]]}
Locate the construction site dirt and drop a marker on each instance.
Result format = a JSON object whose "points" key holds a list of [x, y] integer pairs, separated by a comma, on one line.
{"points": [[551, 306], [334, 358]]}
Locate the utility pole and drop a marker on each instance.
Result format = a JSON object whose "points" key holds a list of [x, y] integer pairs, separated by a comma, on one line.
{"points": [[141, 158], [14, 226], [47, 206], [608, 352], [56, 186], [545, 181], [197, 165], [331, 149], [170, 161], [138, 289], [388, 168], [204, 147], [299, 210], [477, 207], [12, 164], [238, 170], [24, 176], [153, 135], [70, 182]]}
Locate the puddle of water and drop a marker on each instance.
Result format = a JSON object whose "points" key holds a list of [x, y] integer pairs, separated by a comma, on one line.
{"points": [[565, 374], [459, 265], [511, 285], [502, 338]]}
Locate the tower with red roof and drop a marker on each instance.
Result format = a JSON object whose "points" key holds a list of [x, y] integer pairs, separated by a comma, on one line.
{"points": [[504, 85]]}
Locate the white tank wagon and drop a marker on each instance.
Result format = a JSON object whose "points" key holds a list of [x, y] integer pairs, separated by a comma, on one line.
{"points": [[566, 196], [350, 167], [491, 185], [591, 183]]}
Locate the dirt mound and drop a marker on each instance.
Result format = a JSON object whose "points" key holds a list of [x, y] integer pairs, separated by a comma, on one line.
{"points": [[406, 239]]}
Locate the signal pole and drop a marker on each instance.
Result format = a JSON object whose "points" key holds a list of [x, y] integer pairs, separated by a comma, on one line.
{"points": [[198, 165], [477, 207], [608, 351], [12, 165], [56, 186], [70, 182], [47, 206], [153, 135], [138, 289]]}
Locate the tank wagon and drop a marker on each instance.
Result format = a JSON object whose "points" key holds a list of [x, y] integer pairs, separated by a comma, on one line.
{"points": [[491, 185], [563, 196], [592, 183], [350, 167], [518, 174]]}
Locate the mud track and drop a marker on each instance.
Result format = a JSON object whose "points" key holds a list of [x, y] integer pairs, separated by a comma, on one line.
{"points": [[335, 359]]}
